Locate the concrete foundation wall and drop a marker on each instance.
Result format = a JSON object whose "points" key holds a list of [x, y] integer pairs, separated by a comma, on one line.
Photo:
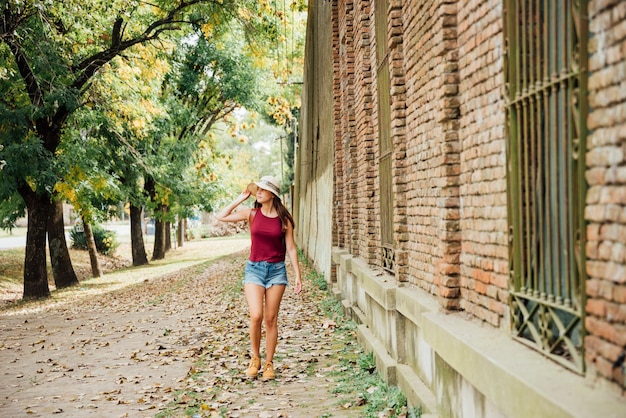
{"points": [[452, 366], [313, 183]]}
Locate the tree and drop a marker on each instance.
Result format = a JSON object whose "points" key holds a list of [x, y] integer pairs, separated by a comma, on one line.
{"points": [[287, 63], [85, 179], [122, 106], [49, 53], [209, 79], [96, 271]]}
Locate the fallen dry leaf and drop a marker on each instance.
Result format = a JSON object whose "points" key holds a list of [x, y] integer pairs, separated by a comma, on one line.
{"points": [[137, 348]]}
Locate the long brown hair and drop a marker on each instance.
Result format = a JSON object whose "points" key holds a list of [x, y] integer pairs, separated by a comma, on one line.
{"points": [[282, 212]]}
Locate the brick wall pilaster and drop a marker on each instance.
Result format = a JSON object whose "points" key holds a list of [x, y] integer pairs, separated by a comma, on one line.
{"points": [[398, 136], [605, 211], [339, 231], [448, 269], [365, 178], [484, 256], [345, 139]]}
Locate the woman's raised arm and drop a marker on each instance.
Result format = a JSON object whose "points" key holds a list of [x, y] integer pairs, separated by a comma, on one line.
{"points": [[227, 215]]}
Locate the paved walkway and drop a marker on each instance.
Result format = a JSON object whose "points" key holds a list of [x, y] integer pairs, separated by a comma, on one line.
{"points": [[169, 343]]}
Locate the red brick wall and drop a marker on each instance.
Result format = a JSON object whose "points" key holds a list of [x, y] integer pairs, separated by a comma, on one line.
{"points": [[484, 259], [432, 151], [346, 214], [367, 169], [340, 83], [356, 168], [606, 197], [449, 169], [400, 168]]}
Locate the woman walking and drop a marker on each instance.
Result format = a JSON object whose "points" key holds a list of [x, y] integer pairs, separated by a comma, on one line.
{"points": [[265, 276]]}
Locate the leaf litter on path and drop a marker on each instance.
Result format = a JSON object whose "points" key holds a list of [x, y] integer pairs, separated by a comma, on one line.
{"points": [[170, 345]]}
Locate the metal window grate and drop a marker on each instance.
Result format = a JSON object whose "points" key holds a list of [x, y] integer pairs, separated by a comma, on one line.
{"points": [[385, 146], [545, 117]]}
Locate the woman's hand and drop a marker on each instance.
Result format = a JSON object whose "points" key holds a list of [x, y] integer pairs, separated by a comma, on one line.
{"points": [[244, 196], [298, 287], [226, 215]]}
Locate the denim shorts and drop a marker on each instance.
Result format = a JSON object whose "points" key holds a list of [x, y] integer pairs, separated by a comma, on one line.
{"points": [[265, 274]]}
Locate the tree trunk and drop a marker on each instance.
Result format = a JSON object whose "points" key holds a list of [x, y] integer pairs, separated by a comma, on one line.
{"points": [[62, 268], [159, 240], [138, 248], [35, 271], [91, 247], [168, 236], [187, 236], [180, 233], [158, 251]]}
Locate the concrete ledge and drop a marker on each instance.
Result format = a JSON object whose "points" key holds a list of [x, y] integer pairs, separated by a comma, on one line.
{"points": [[412, 304], [357, 315], [380, 288], [416, 392], [385, 364], [346, 307], [341, 257], [518, 381]]}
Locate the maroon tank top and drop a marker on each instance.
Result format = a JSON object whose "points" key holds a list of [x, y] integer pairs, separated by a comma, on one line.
{"points": [[268, 239]]}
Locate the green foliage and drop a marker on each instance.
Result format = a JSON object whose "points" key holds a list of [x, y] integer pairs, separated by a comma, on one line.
{"points": [[359, 375], [318, 280], [88, 179], [250, 148], [303, 258], [11, 210], [88, 115], [71, 49], [106, 241], [209, 76], [331, 307], [206, 83], [367, 362], [51, 54]]}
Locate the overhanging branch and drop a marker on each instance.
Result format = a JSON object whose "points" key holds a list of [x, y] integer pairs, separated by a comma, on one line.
{"points": [[8, 25], [88, 67]]}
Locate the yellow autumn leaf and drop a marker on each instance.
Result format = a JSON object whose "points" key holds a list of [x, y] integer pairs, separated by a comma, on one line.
{"points": [[207, 30]]}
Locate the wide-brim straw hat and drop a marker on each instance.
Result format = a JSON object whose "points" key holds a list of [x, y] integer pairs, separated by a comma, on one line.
{"points": [[270, 183]]}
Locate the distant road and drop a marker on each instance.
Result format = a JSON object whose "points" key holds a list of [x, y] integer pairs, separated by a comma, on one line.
{"points": [[6, 243], [12, 242]]}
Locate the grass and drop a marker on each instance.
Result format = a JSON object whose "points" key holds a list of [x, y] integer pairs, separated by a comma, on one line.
{"points": [[12, 266], [12, 274], [357, 374], [18, 231], [118, 270], [318, 280]]}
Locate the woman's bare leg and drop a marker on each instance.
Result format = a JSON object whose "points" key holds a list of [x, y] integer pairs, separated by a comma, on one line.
{"points": [[254, 295], [273, 296]]}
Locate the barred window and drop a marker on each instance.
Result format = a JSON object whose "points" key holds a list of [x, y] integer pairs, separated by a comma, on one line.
{"points": [[385, 146], [546, 108]]}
